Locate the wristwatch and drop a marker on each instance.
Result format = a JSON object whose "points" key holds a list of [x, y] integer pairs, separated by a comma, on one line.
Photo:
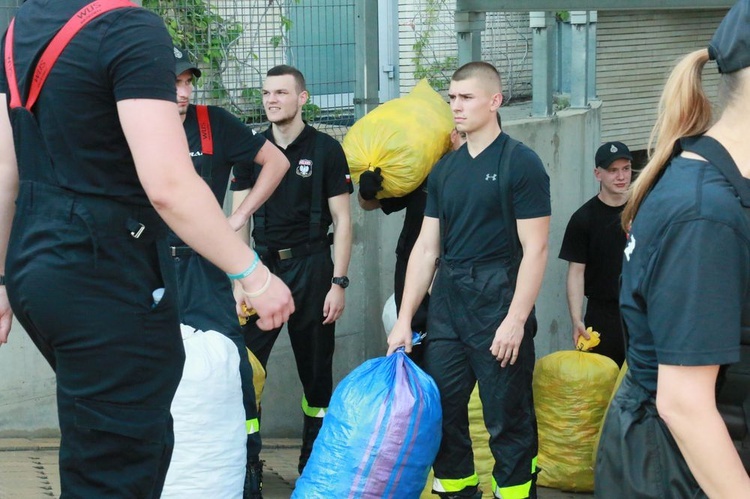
{"points": [[341, 281], [2, 280]]}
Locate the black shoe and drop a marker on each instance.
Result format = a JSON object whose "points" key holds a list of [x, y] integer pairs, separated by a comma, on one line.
{"points": [[310, 432], [253, 481], [467, 493]]}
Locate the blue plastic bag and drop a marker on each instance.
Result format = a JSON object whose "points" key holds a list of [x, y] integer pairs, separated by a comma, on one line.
{"points": [[379, 437]]}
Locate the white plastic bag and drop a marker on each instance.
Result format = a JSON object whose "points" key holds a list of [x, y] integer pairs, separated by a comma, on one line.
{"points": [[209, 421]]}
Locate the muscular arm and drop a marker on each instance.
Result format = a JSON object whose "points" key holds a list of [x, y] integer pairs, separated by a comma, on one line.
{"points": [[274, 166], [533, 234], [8, 193], [575, 287], [159, 147], [685, 399], [342, 250], [419, 274]]}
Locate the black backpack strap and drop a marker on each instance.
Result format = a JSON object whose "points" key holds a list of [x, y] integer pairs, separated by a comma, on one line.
{"points": [[317, 198], [506, 200]]}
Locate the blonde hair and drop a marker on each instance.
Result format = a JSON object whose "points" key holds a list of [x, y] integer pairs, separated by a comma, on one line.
{"points": [[684, 110]]}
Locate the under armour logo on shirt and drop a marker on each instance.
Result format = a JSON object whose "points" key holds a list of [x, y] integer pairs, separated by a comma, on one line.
{"points": [[492, 177]]}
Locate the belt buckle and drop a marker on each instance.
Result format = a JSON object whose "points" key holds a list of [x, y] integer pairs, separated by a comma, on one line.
{"points": [[137, 232], [285, 254]]}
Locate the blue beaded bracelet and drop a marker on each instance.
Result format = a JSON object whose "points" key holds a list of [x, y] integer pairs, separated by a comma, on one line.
{"points": [[247, 271]]}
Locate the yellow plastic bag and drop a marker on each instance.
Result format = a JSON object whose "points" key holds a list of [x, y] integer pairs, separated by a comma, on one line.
{"points": [[405, 137], [571, 392], [259, 376]]}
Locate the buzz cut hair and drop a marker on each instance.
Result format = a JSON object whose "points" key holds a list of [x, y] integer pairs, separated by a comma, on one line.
{"points": [[284, 69], [481, 70]]}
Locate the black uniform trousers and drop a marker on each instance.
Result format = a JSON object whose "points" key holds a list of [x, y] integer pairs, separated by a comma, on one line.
{"points": [[604, 317], [206, 302], [637, 455], [309, 279], [467, 305], [81, 286]]}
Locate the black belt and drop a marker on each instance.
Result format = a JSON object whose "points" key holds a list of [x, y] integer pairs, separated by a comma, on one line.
{"points": [[175, 251], [295, 252]]}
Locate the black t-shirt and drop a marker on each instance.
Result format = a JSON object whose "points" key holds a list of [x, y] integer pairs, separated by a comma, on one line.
{"points": [[414, 202], [287, 211], [123, 54], [594, 237], [685, 293], [234, 143], [465, 193]]}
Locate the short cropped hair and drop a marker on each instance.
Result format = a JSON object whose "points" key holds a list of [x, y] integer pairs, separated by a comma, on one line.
{"points": [[284, 69], [482, 70]]}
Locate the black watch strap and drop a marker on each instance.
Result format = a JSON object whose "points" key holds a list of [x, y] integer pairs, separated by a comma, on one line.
{"points": [[2, 280]]}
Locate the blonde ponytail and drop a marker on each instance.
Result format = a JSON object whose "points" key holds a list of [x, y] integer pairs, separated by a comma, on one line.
{"points": [[684, 110]]}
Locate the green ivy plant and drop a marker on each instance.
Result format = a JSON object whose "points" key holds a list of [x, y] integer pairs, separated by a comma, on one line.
{"points": [[436, 70], [192, 24]]}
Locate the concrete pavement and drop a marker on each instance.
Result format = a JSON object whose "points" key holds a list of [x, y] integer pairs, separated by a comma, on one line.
{"points": [[29, 470]]}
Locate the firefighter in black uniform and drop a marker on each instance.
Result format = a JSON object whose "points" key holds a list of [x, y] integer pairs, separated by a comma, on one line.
{"points": [[481, 322], [290, 232], [685, 293], [217, 141], [88, 144]]}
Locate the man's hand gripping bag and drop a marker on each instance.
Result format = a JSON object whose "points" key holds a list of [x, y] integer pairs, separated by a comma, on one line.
{"points": [[379, 437]]}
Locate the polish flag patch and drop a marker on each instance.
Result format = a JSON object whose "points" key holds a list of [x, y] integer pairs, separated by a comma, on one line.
{"points": [[348, 178]]}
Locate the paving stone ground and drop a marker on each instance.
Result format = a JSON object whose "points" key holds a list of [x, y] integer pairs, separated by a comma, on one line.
{"points": [[28, 470]]}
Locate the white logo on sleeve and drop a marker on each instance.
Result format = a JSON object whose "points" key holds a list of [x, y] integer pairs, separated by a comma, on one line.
{"points": [[492, 177], [630, 247]]}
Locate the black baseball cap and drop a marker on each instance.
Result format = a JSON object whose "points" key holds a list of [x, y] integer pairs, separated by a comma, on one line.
{"points": [[182, 63], [730, 45], [610, 151]]}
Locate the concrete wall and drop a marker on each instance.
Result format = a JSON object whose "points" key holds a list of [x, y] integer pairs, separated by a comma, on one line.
{"points": [[566, 144]]}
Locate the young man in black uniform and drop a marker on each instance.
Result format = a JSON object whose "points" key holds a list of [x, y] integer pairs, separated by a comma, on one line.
{"points": [[91, 148], [593, 244], [290, 232], [217, 141], [481, 321]]}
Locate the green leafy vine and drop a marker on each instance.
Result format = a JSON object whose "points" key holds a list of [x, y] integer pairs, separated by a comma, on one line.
{"points": [[427, 65]]}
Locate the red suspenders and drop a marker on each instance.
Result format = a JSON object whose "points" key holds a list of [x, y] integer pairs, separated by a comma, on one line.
{"points": [[204, 127], [54, 49]]}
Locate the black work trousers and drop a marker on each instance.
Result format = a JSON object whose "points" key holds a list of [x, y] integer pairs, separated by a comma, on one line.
{"points": [[604, 317], [468, 304], [81, 286], [637, 455], [206, 302], [309, 279]]}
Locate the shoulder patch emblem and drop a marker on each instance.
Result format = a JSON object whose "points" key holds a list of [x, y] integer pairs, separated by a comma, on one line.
{"points": [[304, 168], [630, 247]]}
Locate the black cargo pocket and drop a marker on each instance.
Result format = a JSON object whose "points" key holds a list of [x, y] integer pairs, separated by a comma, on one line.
{"points": [[147, 424]]}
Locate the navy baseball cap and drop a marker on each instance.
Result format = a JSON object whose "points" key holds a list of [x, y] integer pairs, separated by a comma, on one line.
{"points": [[730, 45], [610, 151], [182, 63]]}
